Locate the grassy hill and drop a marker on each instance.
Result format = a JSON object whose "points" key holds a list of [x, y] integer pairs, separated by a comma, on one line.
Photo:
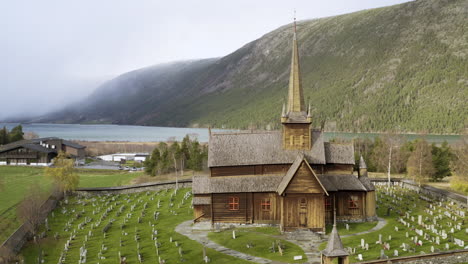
{"points": [[402, 66]]}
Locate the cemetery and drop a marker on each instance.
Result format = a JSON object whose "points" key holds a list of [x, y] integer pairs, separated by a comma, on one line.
{"points": [[416, 224], [140, 228], [135, 228]]}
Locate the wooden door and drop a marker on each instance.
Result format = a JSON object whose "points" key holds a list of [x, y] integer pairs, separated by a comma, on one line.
{"points": [[302, 211]]}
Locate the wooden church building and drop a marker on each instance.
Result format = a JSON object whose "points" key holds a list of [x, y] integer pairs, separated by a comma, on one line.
{"points": [[291, 178]]}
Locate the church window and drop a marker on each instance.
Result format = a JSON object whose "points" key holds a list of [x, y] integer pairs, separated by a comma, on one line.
{"points": [[233, 203], [353, 202], [302, 140], [266, 204], [291, 140]]}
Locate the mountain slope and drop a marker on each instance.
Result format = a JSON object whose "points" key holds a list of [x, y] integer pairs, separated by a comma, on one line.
{"points": [[402, 66]]}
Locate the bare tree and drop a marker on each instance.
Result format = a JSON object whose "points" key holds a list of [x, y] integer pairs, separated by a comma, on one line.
{"points": [[6, 254], [388, 155], [29, 210], [30, 135], [420, 165]]}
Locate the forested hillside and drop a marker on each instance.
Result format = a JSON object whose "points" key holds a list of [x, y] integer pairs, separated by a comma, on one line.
{"points": [[400, 67]]}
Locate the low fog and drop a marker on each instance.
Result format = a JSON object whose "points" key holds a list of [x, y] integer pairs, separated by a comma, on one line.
{"points": [[53, 52]]}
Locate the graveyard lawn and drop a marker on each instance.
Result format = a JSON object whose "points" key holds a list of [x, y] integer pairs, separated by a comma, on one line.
{"points": [[261, 239], [353, 228], [414, 204], [133, 228], [17, 180]]}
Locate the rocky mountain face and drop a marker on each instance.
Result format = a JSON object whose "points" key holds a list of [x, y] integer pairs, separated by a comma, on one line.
{"points": [[400, 67]]}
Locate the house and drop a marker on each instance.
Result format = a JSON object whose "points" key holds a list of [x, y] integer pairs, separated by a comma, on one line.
{"points": [[39, 151], [291, 178], [139, 157]]}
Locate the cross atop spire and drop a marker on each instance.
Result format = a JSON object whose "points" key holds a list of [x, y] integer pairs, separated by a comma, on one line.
{"points": [[294, 20]]}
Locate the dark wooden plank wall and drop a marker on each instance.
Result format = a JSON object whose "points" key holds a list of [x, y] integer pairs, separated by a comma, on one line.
{"points": [[250, 170], [342, 205], [338, 169], [271, 216], [221, 212]]}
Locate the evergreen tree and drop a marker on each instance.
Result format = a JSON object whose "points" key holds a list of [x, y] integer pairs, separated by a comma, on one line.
{"points": [[3, 136], [441, 157], [16, 134]]}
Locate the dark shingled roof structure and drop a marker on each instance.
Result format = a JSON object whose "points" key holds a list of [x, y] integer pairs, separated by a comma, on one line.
{"points": [[34, 144], [201, 200], [259, 183], [256, 148], [340, 153], [335, 183], [72, 144], [30, 146], [235, 184], [335, 246]]}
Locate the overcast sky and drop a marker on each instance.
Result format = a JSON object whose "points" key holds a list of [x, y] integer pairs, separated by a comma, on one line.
{"points": [[53, 52]]}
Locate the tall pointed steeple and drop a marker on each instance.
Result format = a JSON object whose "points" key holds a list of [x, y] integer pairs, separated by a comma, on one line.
{"points": [[296, 120], [295, 96]]}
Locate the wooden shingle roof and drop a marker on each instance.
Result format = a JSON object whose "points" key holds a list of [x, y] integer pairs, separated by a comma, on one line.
{"points": [[344, 182], [236, 149], [339, 153], [235, 184], [334, 246], [262, 183]]}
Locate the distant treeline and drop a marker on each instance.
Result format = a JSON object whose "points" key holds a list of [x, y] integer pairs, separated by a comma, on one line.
{"points": [[418, 159], [16, 134], [189, 154]]}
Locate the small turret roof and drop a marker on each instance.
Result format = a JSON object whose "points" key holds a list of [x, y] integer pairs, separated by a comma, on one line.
{"points": [[335, 246]]}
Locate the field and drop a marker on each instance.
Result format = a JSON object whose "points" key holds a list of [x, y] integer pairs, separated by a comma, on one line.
{"points": [[18, 179], [135, 226]]}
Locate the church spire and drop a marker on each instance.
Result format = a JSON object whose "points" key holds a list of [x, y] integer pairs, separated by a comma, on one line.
{"points": [[295, 96]]}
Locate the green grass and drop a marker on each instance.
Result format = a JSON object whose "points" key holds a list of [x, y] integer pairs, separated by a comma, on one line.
{"points": [[353, 228], [105, 178], [261, 239], [17, 180], [169, 218], [414, 206]]}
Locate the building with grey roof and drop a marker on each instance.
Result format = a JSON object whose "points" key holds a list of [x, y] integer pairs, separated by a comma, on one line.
{"points": [[39, 151], [291, 177]]}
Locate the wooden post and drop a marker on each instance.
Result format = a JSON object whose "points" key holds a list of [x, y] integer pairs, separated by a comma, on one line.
{"points": [[212, 214]]}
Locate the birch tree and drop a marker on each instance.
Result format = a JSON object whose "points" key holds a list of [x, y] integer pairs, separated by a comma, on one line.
{"points": [[63, 173]]}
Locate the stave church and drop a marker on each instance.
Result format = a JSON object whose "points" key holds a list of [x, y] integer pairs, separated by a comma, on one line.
{"points": [[292, 178]]}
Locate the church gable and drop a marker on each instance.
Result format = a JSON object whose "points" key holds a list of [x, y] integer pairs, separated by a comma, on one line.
{"points": [[300, 178], [304, 181]]}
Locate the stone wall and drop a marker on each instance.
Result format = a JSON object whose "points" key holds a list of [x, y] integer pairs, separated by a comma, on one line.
{"points": [[21, 235], [153, 186]]}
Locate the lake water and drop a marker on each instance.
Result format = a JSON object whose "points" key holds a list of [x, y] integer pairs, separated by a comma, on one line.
{"points": [[149, 134]]}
